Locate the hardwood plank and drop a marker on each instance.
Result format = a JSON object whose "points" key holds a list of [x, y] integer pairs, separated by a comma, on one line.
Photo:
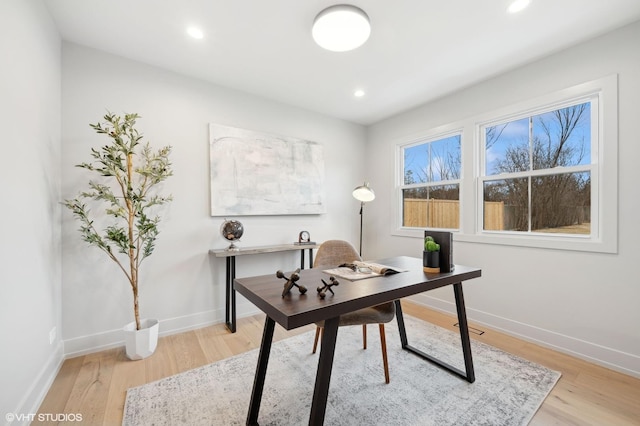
{"points": [[162, 363], [569, 399], [187, 350], [95, 385], [61, 388], [210, 339], [126, 374], [89, 394]]}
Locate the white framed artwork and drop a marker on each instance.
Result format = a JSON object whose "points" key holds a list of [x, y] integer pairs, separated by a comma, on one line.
{"points": [[254, 173]]}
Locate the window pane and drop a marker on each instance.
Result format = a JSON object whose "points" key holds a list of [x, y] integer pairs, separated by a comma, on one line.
{"points": [[557, 138], [434, 161], [562, 137], [561, 203], [507, 147], [506, 205], [415, 161], [432, 207]]}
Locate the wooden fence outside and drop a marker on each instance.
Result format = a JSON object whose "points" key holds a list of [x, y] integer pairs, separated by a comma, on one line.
{"points": [[421, 213]]}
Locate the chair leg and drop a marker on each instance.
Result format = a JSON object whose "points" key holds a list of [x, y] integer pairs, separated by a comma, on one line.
{"points": [[364, 336], [315, 342], [383, 343]]}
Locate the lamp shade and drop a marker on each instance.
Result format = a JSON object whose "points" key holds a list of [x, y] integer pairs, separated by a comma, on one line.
{"points": [[341, 28], [363, 193]]}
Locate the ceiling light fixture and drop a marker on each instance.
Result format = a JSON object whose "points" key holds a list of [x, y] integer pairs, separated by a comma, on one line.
{"points": [[195, 32], [358, 93], [341, 27], [518, 5]]}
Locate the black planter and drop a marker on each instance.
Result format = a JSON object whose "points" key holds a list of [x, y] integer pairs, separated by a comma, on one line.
{"points": [[431, 259]]}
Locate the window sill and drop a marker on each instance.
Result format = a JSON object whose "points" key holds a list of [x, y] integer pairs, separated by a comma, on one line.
{"points": [[570, 243]]}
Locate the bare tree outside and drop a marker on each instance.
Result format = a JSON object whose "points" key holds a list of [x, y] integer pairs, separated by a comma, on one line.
{"points": [[556, 199]]}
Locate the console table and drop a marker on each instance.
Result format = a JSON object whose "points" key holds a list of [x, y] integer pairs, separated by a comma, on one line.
{"points": [[230, 255]]}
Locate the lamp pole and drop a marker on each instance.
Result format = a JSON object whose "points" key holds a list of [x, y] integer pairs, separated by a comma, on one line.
{"points": [[361, 208], [364, 194]]}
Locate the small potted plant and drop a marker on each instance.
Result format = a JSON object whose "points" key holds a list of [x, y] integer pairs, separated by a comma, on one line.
{"points": [[126, 175], [431, 255]]}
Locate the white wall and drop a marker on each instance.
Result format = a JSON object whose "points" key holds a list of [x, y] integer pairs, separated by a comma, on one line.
{"points": [[582, 303], [30, 214], [180, 284]]}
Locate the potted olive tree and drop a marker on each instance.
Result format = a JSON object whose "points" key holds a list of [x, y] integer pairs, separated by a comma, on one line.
{"points": [[431, 255], [126, 177]]}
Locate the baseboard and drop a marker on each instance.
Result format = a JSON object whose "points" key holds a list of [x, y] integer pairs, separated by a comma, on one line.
{"points": [[607, 357], [113, 338], [36, 393]]}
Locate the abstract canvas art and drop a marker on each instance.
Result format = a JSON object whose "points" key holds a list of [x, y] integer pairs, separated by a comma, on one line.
{"points": [[254, 173]]}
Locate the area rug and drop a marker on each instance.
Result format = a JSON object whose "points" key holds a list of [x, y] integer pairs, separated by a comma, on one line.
{"points": [[508, 390]]}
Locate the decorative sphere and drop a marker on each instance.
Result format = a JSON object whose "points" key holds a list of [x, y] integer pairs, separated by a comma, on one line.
{"points": [[231, 230]]}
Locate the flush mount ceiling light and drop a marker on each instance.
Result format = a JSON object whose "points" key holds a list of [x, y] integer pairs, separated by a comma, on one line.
{"points": [[518, 5], [341, 28], [195, 33]]}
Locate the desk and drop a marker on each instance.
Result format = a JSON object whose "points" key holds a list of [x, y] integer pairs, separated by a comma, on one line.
{"points": [[230, 255], [296, 310]]}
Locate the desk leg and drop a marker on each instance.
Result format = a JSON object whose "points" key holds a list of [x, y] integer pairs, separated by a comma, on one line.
{"points": [[302, 259], [261, 371], [468, 374], [323, 375], [464, 332], [230, 311], [401, 328]]}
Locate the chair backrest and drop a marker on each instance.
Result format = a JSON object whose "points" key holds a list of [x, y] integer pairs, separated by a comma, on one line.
{"points": [[334, 253]]}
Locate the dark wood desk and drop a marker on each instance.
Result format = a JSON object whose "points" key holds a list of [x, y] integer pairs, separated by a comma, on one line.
{"points": [[296, 310], [230, 255]]}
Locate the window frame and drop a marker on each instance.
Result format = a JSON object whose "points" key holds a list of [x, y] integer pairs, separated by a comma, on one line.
{"points": [[603, 168], [433, 136], [592, 168]]}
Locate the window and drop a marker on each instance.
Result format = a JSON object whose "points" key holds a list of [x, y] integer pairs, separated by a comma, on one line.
{"points": [[431, 183], [538, 171]]}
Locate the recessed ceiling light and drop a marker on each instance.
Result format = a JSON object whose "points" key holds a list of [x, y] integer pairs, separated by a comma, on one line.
{"points": [[195, 32], [518, 5], [341, 27], [358, 93]]}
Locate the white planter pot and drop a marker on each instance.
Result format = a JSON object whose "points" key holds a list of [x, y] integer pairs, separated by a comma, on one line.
{"points": [[141, 343]]}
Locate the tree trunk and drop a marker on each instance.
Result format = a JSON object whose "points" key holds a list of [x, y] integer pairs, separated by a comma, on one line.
{"points": [[135, 307], [132, 250]]}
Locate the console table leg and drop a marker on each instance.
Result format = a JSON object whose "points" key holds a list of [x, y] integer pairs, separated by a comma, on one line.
{"points": [[323, 376], [230, 296], [261, 371]]}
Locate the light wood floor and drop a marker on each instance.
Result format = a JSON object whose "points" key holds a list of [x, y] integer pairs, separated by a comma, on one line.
{"points": [[95, 385]]}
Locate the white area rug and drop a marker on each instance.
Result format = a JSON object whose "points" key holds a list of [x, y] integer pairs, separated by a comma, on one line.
{"points": [[508, 390]]}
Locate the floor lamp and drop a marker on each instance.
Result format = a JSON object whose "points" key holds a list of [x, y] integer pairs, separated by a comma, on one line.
{"points": [[364, 194]]}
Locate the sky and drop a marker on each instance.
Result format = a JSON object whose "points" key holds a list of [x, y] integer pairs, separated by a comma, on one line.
{"points": [[513, 134]]}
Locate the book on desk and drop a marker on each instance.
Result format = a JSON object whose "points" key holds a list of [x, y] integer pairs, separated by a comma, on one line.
{"points": [[445, 239], [359, 270]]}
